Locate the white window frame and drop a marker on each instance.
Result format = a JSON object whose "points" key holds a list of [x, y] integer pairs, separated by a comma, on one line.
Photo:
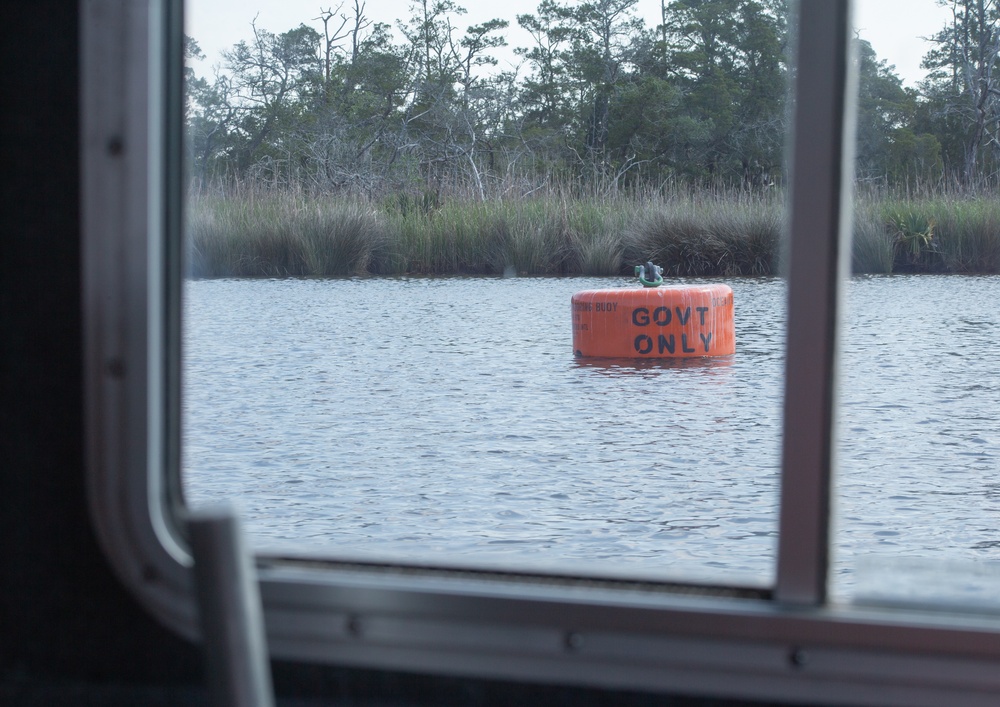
{"points": [[788, 644]]}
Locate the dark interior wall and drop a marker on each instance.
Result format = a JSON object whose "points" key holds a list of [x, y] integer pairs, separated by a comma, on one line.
{"points": [[69, 633], [63, 616]]}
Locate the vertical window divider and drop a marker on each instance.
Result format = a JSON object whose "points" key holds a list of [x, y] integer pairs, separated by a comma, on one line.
{"points": [[817, 262], [123, 169]]}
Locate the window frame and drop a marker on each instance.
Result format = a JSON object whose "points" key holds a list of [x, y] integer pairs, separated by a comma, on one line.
{"points": [[789, 644]]}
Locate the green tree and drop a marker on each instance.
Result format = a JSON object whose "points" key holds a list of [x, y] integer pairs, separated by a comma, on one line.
{"points": [[543, 96], [583, 65], [728, 59], [963, 87], [272, 79], [602, 54], [351, 136], [442, 122], [885, 115]]}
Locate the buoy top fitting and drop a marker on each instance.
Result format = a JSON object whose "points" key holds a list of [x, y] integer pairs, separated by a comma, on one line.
{"points": [[649, 275]]}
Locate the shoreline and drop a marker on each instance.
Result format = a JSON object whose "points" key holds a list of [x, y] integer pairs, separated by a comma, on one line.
{"points": [[293, 235]]}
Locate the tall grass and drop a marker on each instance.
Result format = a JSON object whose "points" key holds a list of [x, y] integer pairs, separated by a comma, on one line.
{"points": [[244, 238], [290, 234], [951, 233], [872, 250], [281, 236], [710, 236], [968, 236], [340, 239]]}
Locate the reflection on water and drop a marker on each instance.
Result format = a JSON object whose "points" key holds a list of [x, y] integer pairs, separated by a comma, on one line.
{"points": [[626, 366], [447, 420]]}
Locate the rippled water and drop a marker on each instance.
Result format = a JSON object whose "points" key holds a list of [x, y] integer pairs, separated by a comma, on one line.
{"points": [[446, 419], [920, 436]]}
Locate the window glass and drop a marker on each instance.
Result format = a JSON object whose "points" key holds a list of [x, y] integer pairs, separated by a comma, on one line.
{"points": [[919, 430], [388, 217]]}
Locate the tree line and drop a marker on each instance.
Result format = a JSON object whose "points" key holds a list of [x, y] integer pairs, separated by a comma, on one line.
{"points": [[599, 103]]}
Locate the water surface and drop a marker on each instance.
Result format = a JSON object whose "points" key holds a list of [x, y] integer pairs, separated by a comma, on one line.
{"points": [[446, 420]]}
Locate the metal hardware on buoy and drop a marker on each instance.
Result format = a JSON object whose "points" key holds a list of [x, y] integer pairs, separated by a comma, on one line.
{"points": [[649, 275]]}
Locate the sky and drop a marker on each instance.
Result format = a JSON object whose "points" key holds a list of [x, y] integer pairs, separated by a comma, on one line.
{"points": [[894, 27]]}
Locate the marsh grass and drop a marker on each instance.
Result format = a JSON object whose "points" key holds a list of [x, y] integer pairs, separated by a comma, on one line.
{"points": [[339, 240], [294, 235], [968, 235], [939, 233], [715, 236], [872, 250], [595, 237], [245, 238], [281, 237]]}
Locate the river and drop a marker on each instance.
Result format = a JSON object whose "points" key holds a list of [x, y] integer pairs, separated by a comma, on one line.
{"points": [[445, 420]]}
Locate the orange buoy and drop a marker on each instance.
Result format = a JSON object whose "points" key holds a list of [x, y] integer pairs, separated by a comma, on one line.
{"points": [[654, 322]]}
